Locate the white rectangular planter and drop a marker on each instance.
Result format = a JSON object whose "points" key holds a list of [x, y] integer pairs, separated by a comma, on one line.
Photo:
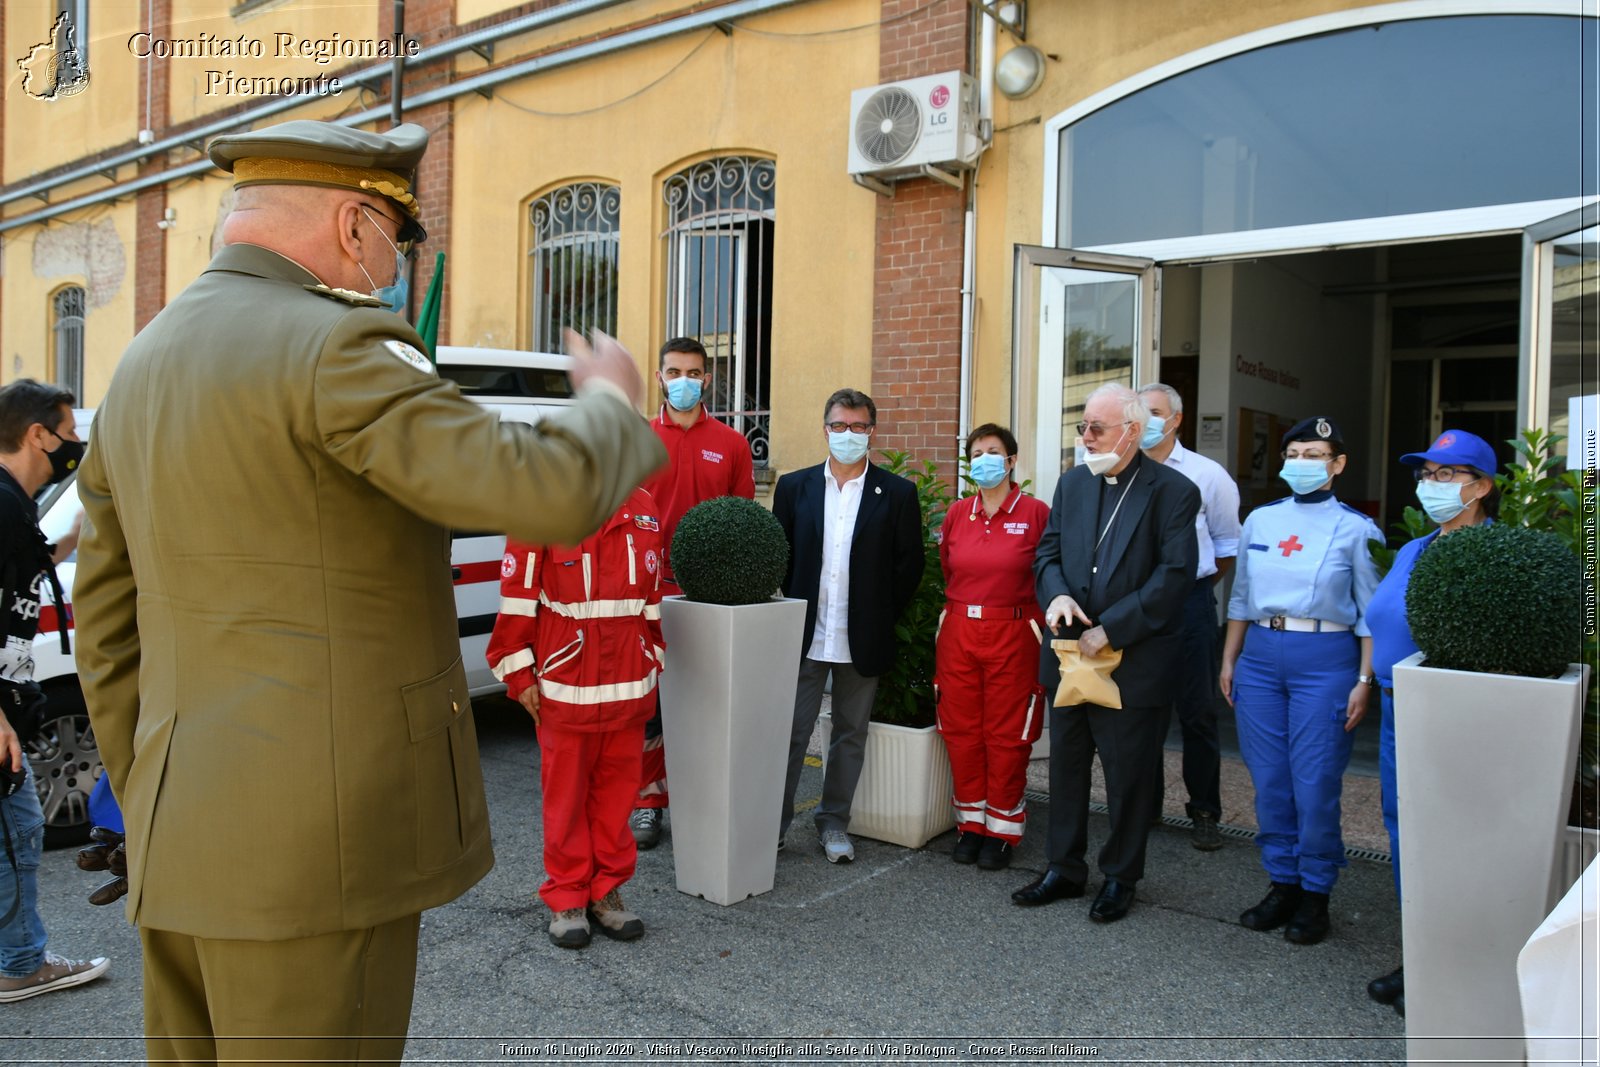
{"points": [[727, 709], [1484, 765], [903, 796]]}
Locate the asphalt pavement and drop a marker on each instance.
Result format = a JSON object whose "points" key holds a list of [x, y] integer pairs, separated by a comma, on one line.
{"points": [[901, 956]]}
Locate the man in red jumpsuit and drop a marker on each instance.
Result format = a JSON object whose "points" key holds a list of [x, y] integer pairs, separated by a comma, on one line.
{"points": [[578, 644], [706, 459]]}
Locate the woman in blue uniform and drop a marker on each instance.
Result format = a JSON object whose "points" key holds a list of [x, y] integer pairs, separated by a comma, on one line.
{"points": [[1455, 486], [1297, 668]]}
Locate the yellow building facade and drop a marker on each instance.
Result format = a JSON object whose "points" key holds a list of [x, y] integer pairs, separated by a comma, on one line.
{"points": [[800, 279]]}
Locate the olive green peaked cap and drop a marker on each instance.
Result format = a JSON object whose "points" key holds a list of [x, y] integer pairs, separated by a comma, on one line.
{"points": [[308, 152]]}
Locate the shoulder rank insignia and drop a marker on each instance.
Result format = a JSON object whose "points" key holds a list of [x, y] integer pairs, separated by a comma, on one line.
{"points": [[348, 296], [408, 355]]}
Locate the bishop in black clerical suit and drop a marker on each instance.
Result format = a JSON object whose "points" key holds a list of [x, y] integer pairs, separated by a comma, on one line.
{"points": [[1113, 568]]}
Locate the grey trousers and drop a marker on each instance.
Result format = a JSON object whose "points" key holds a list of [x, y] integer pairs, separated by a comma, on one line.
{"points": [[852, 704]]}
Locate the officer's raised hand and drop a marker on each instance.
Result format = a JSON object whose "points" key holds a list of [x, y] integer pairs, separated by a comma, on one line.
{"points": [[1064, 609], [606, 361]]}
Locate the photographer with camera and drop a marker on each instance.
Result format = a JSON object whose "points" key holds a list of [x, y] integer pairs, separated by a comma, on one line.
{"points": [[39, 446]]}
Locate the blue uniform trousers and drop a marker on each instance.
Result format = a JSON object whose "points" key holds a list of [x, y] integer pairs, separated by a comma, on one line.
{"points": [[1290, 691], [1387, 784]]}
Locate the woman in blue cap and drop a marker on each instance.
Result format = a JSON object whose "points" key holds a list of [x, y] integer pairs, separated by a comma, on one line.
{"points": [[1296, 666], [1455, 485]]}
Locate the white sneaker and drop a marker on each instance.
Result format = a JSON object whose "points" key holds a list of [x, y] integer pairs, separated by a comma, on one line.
{"points": [[54, 973], [646, 826], [837, 847]]}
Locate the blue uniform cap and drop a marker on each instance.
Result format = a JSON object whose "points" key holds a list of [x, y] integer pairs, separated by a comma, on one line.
{"points": [[1316, 428], [1456, 448]]}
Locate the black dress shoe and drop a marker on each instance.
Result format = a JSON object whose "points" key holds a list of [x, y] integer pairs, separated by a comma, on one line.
{"points": [[1310, 922], [1113, 902], [995, 854], [1275, 908], [1047, 888], [1400, 1005], [1389, 988], [967, 846]]}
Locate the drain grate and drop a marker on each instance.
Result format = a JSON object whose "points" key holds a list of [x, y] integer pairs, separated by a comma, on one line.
{"points": [[1225, 830]]}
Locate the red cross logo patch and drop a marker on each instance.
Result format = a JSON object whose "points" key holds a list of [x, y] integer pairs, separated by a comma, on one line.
{"points": [[1291, 545]]}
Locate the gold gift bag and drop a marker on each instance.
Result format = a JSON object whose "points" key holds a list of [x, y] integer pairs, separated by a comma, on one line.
{"points": [[1086, 679]]}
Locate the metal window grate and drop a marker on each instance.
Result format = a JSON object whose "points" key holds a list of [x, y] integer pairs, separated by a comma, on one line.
{"points": [[67, 339], [574, 253], [721, 217]]}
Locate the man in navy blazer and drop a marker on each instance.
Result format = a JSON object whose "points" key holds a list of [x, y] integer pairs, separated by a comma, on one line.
{"points": [[855, 557], [1112, 570]]}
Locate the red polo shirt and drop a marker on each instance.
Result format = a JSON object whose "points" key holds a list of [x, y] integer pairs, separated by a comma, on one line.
{"points": [[709, 459], [989, 561]]}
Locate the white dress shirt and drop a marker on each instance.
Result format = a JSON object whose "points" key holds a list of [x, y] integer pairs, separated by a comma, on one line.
{"points": [[830, 641], [1217, 525]]}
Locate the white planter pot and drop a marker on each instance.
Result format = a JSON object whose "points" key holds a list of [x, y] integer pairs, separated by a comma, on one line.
{"points": [[1484, 765], [1579, 847], [903, 796], [727, 709]]}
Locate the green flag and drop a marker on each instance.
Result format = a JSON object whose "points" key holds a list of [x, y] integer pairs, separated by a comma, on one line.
{"points": [[428, 318]]}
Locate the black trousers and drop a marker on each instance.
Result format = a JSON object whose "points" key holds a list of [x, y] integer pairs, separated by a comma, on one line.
{"points": [[1129, 742], [1197, 703]]}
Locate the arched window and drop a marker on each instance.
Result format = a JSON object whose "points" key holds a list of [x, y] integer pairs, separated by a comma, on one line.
{"points": [[574, 252], [66, 339], [720, 222], [1384, 119]]}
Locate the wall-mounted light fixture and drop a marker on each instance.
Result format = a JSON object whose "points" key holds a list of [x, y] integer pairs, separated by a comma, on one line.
{"points": [[1019, 72], [169, 219]]}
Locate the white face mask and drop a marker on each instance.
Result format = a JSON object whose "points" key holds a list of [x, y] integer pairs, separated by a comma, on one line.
{"points": [[1099, 463]]}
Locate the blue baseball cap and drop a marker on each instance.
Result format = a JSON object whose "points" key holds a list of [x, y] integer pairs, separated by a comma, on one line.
{"points": [[1456, 448]]}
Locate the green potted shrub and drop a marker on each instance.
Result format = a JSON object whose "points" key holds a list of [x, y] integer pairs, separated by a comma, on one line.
{"points": [[903, 795], [1486, 733], [727, 696]]}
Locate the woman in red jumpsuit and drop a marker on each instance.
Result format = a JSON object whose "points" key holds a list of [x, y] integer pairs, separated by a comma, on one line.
{"points": [[578, 644], [991, 707]]}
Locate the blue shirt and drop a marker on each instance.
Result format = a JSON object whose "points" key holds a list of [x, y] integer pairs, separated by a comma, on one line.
{"points": [[1306, 557], [1386, 612]]}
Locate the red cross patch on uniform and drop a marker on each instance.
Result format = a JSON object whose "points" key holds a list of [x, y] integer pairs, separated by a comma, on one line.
{"points": [[508, 565], [646, 522], [650, 561]]}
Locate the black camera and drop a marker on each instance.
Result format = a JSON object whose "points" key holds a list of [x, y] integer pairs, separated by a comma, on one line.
{"points": [[10, 780]]}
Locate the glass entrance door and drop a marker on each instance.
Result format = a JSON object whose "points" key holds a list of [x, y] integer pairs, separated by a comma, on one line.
{"points": [[1561, 330], [1080, 320]]}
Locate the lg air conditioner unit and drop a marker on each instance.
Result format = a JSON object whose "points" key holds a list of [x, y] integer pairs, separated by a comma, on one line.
{"points": [[922, 127]]}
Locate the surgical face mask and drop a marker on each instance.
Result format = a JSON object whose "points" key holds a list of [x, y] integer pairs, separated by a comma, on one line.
{"points": [[848, 447], [988, 470], [64, 460], [1305, 475], [683, 393], [1442, 501], [397, 295], [1099, 463], [1153, 432]]}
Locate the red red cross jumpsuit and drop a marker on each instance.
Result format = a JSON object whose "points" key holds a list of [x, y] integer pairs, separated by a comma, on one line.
{"points": [[584, 624], [708, 459], [991, 706]]}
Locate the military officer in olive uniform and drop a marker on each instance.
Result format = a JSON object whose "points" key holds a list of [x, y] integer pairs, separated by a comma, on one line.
{"points": [[268, 633]]}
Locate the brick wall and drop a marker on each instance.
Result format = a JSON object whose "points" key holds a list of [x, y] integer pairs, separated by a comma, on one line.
{"points": [[149, 240], [429, 21], [916, 318]]}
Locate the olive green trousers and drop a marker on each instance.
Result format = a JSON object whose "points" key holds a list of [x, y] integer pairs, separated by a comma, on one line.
{"points": [[343, 997]]}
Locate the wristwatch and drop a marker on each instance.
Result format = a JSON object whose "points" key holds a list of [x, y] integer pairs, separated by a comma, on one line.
{"points": [[1367, 679]]}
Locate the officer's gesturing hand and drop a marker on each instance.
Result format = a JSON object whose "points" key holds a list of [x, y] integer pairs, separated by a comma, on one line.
{"points": [[606, 361], [1064, 609]]}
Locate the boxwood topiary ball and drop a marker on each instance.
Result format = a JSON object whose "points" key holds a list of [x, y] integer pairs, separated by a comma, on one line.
{"points": [[729, 550], [1503, 599]]}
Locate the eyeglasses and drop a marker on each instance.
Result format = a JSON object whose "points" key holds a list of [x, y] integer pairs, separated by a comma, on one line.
{"points": [[403, 247], [853, 427], [1095, 429], [1315, 457], [1446, 474]]}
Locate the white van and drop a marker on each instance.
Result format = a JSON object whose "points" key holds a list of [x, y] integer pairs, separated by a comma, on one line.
{"points": [[520, 386]]}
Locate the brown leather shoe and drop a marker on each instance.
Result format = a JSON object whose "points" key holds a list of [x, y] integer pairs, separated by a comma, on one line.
{"points": [[569, 929], [615, 920]]}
